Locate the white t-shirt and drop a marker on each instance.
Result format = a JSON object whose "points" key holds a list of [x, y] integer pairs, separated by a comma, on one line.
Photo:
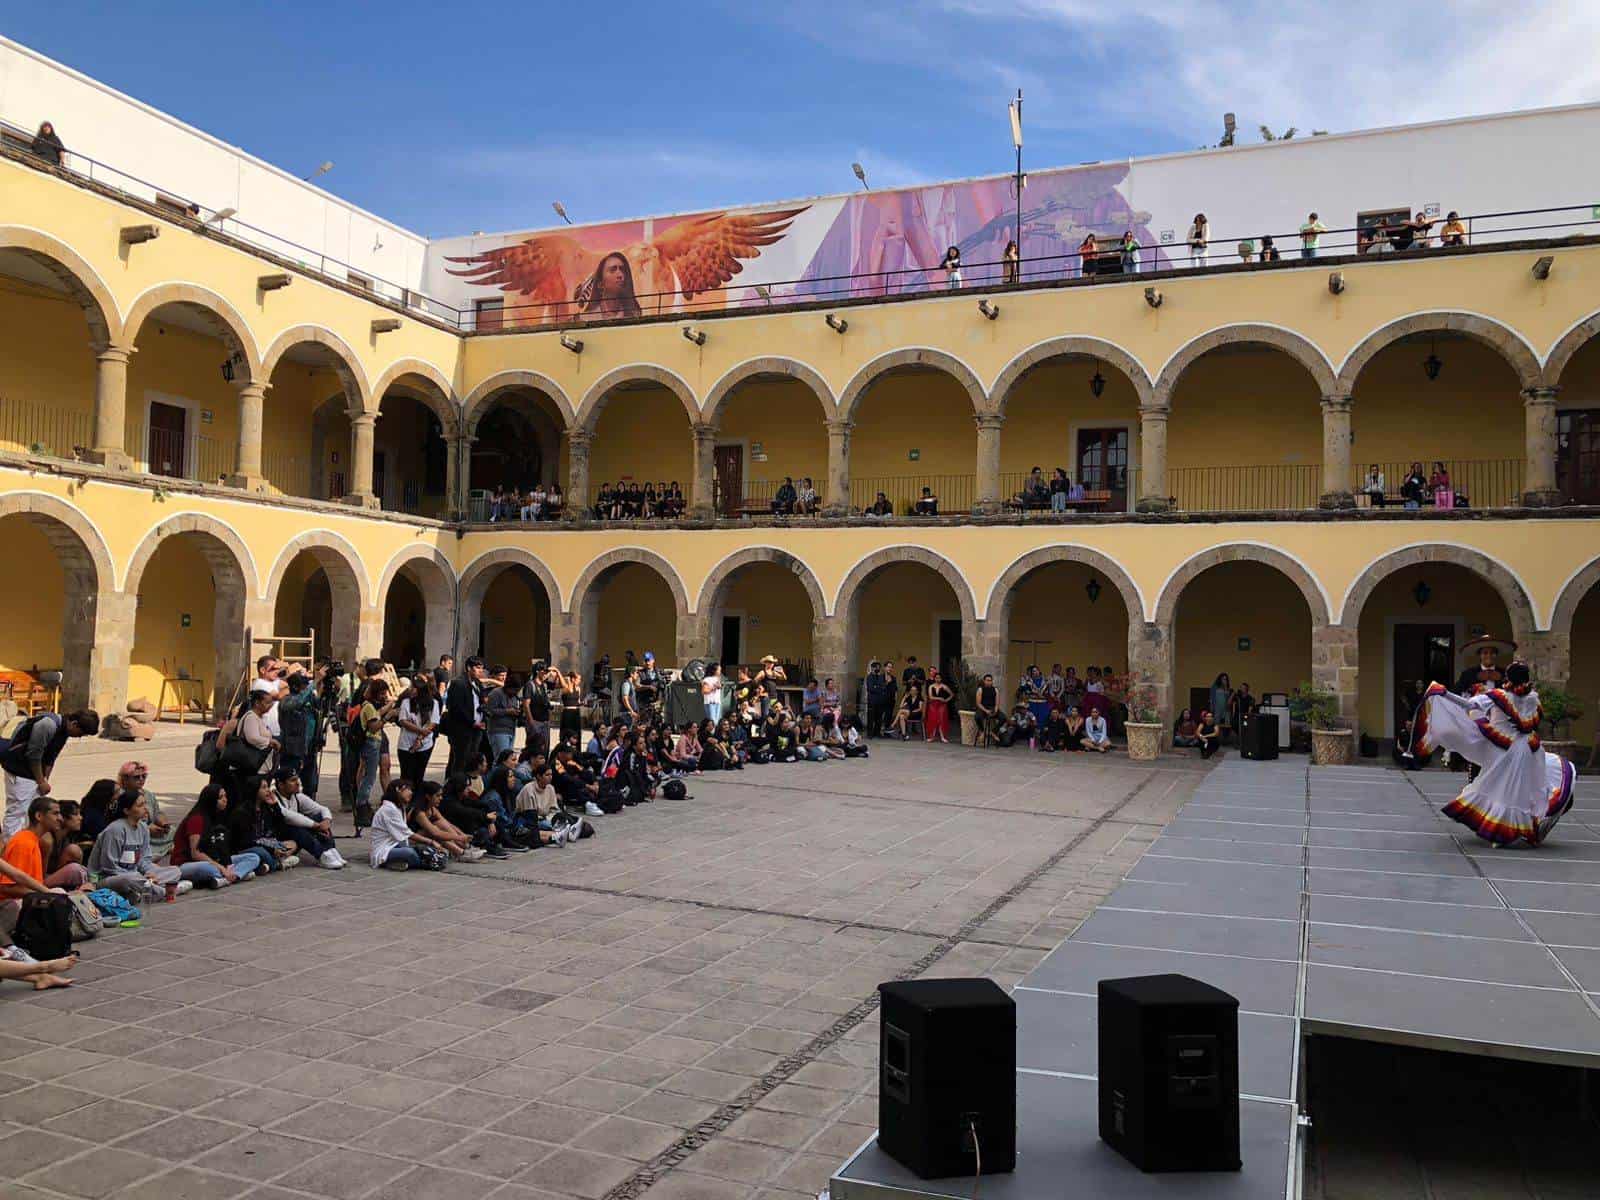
{"points": [[388, 830], [414, 741], [1096, 728], [271, 717]]}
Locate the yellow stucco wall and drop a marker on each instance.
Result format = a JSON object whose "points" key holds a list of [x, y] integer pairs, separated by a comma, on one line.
{"points": [[30, 636], [776, 614], [636, 613], [1242, 600], [177, 584], [1054, 621]]}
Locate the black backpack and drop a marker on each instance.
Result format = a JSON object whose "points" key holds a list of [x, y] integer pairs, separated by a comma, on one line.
{"points": [[673, 789], [44, 927]]}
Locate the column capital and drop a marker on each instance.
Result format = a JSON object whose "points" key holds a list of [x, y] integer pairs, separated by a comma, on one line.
{"points": [[114, 354], [1540, 395], [1336, 403], [252, 387], [1154, 412], [580, 439], [989, 420], [840, 426], [705, 432], [364, 420]]}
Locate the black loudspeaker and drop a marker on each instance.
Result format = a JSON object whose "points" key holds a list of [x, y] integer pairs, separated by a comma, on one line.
{"points": [[1259, 737], [1169, 1073], [683, 703], [948, 1065], [694, 670]]}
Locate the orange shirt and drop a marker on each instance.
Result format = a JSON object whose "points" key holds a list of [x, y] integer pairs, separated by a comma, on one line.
{"points": [[25, 854]]}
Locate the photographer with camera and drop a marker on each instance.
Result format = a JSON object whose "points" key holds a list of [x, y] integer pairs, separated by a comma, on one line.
{"points": [[300, 722]]}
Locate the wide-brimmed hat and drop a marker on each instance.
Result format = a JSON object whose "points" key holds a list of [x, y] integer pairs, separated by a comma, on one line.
{"points": [[1468, 654], [769, 658]]}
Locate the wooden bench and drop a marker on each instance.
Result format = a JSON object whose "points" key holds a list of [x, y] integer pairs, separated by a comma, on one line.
{"points": [[1091, 502], [30, 696]]}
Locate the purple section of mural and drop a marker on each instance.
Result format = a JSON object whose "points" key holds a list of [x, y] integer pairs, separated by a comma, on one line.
{"points": [[883, 243]]}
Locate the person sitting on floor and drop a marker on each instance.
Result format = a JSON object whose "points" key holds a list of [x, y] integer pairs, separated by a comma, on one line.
{"points": [[26, 851], [425, 818], [1096, 736], [1183, 729], [689, 751], [201, 849], [1207, 734], [304, 822], [121, 856], [391, 839], [1052, 734], [132, 777], [1072, 738]]}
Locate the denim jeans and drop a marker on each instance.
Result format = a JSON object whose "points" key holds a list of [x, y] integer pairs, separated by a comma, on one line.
{"points": [[309, 840], [371, 753], [499, 743], [713, 708], [402, 858], [1308, 251], [1058, 502]]}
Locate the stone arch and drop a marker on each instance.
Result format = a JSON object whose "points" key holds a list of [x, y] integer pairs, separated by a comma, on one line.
{"points": [[768, 367], [714, 591], [849, 590], [474, 586], [1568, 344], [1509, 343], [629, 554], [234, 582], [1006, 585], [435, 388], [220, 543], [347, 579], [1061, 347], [1511, 590], [600, 393], [479, 399], [230, 326], [94, 649], [345, 362], [1572, 594], [1305, 352], [81, 280], [911, 356], [431, 572], [1297, 572]]}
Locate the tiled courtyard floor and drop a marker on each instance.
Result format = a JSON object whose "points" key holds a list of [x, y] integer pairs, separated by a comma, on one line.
{"points": [[681, 1005]]}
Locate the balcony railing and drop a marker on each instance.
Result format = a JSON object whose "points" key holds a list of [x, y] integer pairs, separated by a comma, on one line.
{"points": [[180, 455], [1109, 263], [28, 427], [289, 473], [1282, 487], [1480, 483]]}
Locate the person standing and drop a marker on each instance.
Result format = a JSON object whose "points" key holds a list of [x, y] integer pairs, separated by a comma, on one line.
{"points": [[987, 702], [1199, 241], [1011, 263], [463, 717], [1311, 236], [30, 756], [500, 715], [300, 719], [535, 702], [936, 720], [711, 692], [442, 674], [951, 266], [418, 718], [1130, 252], [876, 689], [47, 144]]}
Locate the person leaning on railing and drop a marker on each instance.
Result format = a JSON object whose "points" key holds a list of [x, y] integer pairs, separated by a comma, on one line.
{"points": [[47, 145], [1454, 232]]}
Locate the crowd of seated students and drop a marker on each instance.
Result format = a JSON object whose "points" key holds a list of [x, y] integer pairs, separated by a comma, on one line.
{"points": [[538, 503], [792, 500], [631, 501], [1062, 711]]}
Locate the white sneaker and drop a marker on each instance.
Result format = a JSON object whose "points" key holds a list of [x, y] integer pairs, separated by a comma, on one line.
{"points": [[292, 861], [472, 854], [185, 885], [331, 860], [593, 809], [563, 836]]}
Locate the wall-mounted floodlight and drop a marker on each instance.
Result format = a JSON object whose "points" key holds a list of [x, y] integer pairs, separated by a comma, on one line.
{"points": [[1541, 268], [1336, 283], [989, 310], [836, 324], [133, 235], [697, 336], [1153, 297], [571, 343]]}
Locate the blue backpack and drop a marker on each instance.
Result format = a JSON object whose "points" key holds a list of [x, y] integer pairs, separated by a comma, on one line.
{"points": [[113, 907]]}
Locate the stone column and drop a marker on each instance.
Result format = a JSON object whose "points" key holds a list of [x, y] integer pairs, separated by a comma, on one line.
{"points": [[1153, 495], [564, 643], [579, 442], [1335, 663], [703, 502], [1336, 481], [1539, 475], [1150, 658], [110, 410], [693, 638], [457, 446], [361, 451], [252, 414], [837, 501], [830, 656], [96, 649], [1549, 655], [986, 496], [369, 632]]}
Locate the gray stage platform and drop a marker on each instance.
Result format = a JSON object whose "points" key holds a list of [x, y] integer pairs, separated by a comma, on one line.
{"points": [[1329, 901]]}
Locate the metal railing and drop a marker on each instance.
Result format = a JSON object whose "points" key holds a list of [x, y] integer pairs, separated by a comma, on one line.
{"points": [[29, 427], [1276, 487], [289, 473], [1109, 490], [953, 493], [1110, 261], [1478, 483], [180, 455]]}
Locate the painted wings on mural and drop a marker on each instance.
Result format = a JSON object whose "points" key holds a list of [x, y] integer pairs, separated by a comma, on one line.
{"points": [[558, 272]]}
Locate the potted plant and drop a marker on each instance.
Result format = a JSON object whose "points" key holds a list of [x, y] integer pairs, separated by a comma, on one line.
{"points": [[1144, 720], [1332, 740], [965, 685], [1560, 708]]}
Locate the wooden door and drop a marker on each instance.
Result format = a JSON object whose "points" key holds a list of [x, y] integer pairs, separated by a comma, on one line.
{"points": [[728, 467], [1578, 455], [1103, 464], [168, 440]]}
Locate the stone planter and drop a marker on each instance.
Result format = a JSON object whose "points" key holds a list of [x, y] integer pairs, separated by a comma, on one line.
{"points": [[1566, 748], [1144, 741], [1333, 747], [969, 726]]}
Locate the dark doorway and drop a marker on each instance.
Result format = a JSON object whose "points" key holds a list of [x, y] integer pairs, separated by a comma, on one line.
{"points": [[731, 649], [949, 645], [728, 465], [380, 474], [1103, 464], [1578, 455], [1423, 654], [169, 429]]}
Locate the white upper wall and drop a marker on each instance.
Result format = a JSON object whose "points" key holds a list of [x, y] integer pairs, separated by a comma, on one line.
{"points": [[155, 151]]}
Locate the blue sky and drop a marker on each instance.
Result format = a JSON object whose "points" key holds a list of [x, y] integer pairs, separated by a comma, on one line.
{"points": [[455, 118]]}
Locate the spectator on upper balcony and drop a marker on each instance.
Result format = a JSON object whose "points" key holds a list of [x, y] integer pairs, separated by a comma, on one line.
{"points": [[1060, 486], [533, 506], [1247, 250], [1088, 255], [1414, 487], [927, 504], [1199, 241], [1454, 232], [880, 507], [1269, 252], [785, 499], [47, 145], [1129, 247], [1011, 263], [553, 502], [1373, 486], [1402, 236], [1444, 493], [806, 501], [1422, 229], [1310, 236], [1035, 491], [1368, 238], [951, 266]]}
